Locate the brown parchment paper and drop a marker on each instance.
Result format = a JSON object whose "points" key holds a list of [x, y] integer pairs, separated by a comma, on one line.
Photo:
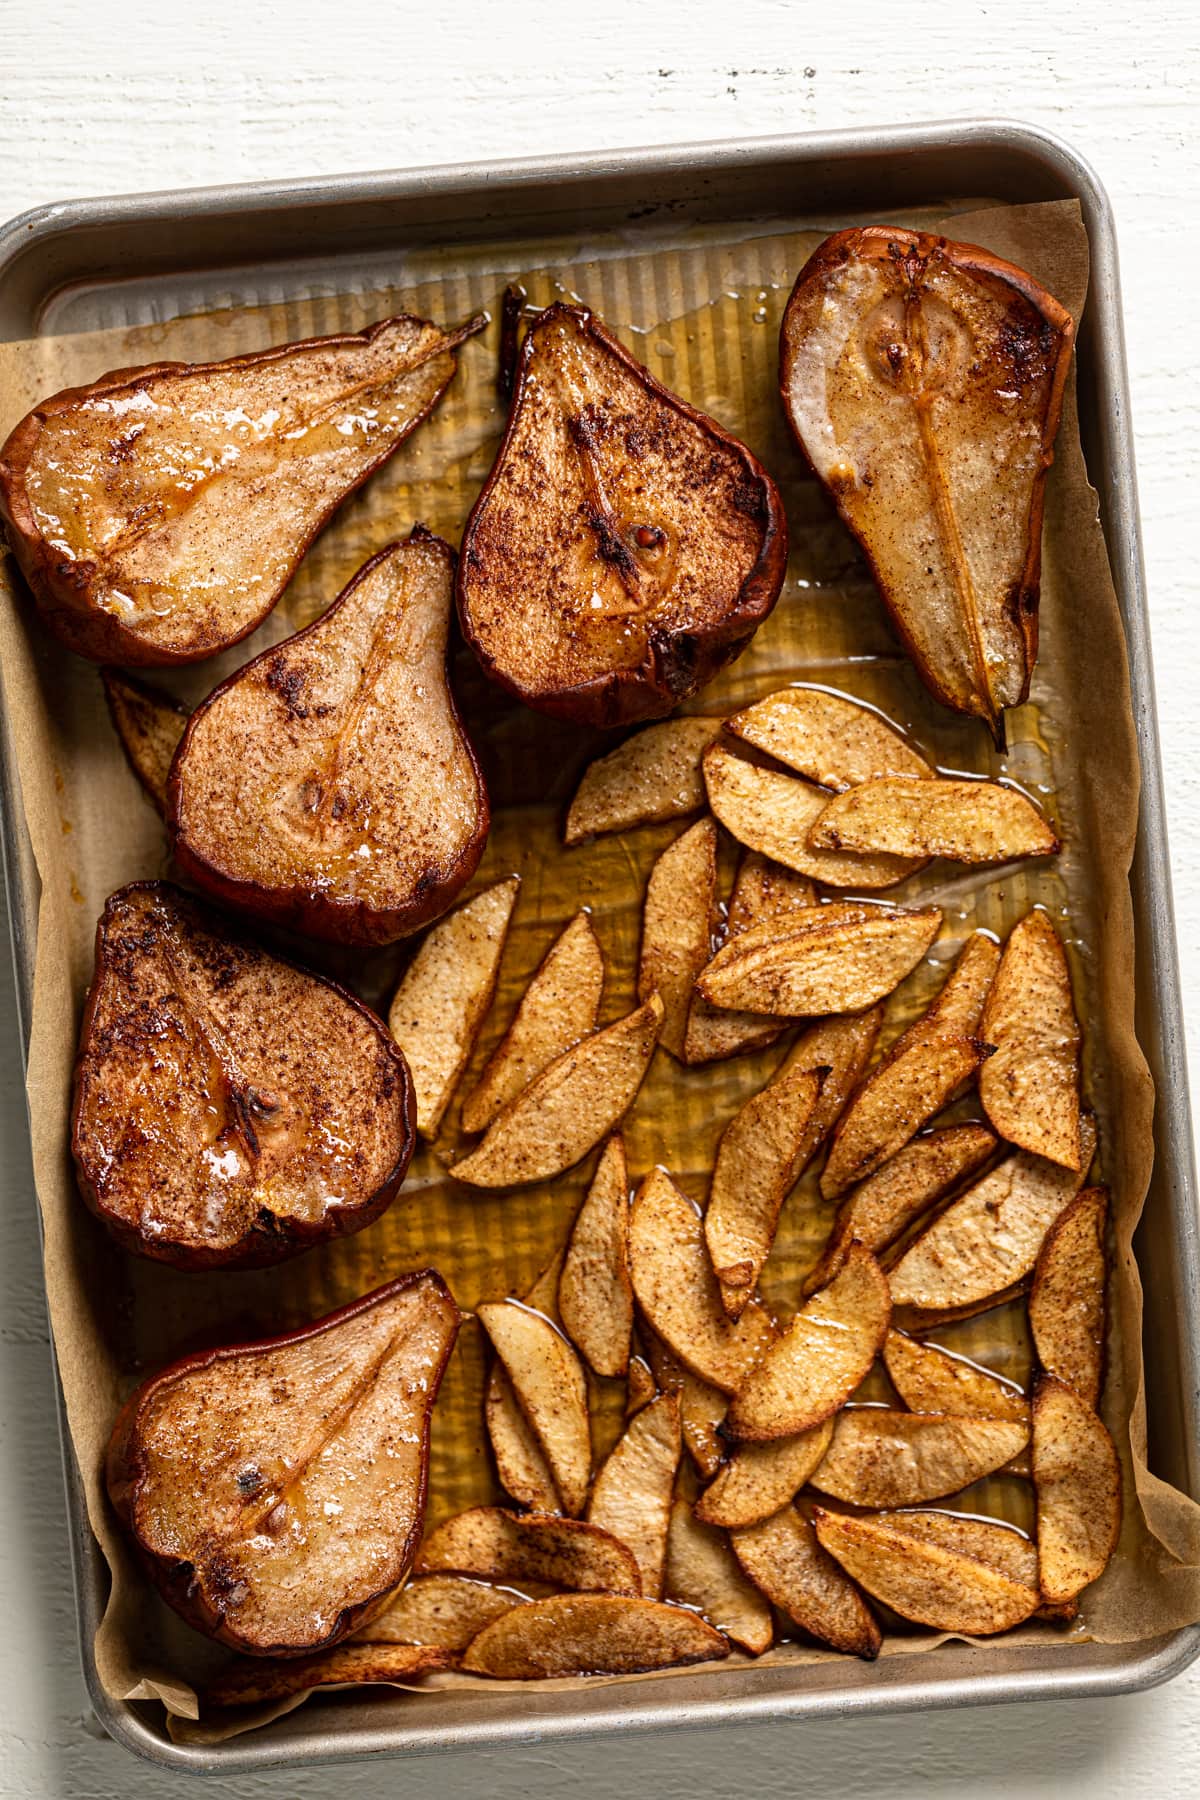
{"points": [[701, 306]]}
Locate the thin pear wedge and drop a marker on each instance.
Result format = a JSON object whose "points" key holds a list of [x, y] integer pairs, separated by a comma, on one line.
{"points": [[595, 1294], [159, 514], [989, 1237], [930, 1380], [919, 1075], [1067, 1311], [826, 738], [149, 724], [578, 1100], [591, 1634], [558, 1008], [775, 813], [640, 1386], [988, 1541], [924, 382], [1030, 1084], [631, 1495], [653, 776], [838, 1049], [760, 1157], [1077, 1481], [884, 1458], [784, 1558], [813, 1369], [551, 1390], [624, 547], [677, 927], [495, 1545], [760, 1478], [275, 1492], [350, 1665], [677, 1291], [879, 1210], [444, 1611], [762, 891], [230, 1110], [521, 1463], [963, 821], [703, 1573], [444, 995], [930, 1583], [702, 1407], [831, 960], [329, 785]]}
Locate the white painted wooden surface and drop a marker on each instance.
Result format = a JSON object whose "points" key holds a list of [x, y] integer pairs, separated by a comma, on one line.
{"points": [[110, 96]]}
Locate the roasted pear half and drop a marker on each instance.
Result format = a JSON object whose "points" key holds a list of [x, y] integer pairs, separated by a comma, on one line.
{"points": [[159, 513], [625, 547], [275, 1491], [230, 1110], [329, 785], [924, 382]]}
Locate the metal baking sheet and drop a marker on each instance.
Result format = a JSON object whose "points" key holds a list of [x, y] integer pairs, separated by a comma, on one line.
{"points": [[88, 264]]}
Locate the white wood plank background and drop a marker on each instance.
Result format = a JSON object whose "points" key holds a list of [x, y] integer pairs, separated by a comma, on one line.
{"points": [[111, 96]]}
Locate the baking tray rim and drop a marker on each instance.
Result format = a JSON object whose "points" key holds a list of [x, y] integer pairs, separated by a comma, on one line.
{"points": [[1151, 1663]]}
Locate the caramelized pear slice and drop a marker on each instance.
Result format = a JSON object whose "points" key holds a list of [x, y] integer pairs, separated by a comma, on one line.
{"points": [[677, 927], [775, 813], [964, 821], [883, 1458], [521, 1463], [760, 1478], [762, 890], [591, 1634], [760, 1158], [654, 775], [924, 382], [329, 785], [1030, 1084], [275, 1491], [350, 1665], [149, 724], [827, 959], [827, 738], [559, 1007], [595, 1294], [1067, 1311], [919, 1075], [1077, 1480], [783, 1557], [702, 1407], [159, 513], [631, 1496], [827, 1349], [569, 1108], [624, 547], [551, 1389], [703, 1573], [230, 1109], [677, 1290], [922, 1579], [439, 1006], [930, 1380], [441, 1611], [502, 1546], [989, 1237]]}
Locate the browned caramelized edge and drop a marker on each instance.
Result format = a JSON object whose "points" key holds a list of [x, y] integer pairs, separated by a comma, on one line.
{"points": [[654, 689]]}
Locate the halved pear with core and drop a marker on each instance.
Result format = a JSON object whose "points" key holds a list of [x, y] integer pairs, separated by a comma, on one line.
{"points": [[329, 785], [230, 1110], [158, 514], [275, 1491], [924, 381], [624, 547]]}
